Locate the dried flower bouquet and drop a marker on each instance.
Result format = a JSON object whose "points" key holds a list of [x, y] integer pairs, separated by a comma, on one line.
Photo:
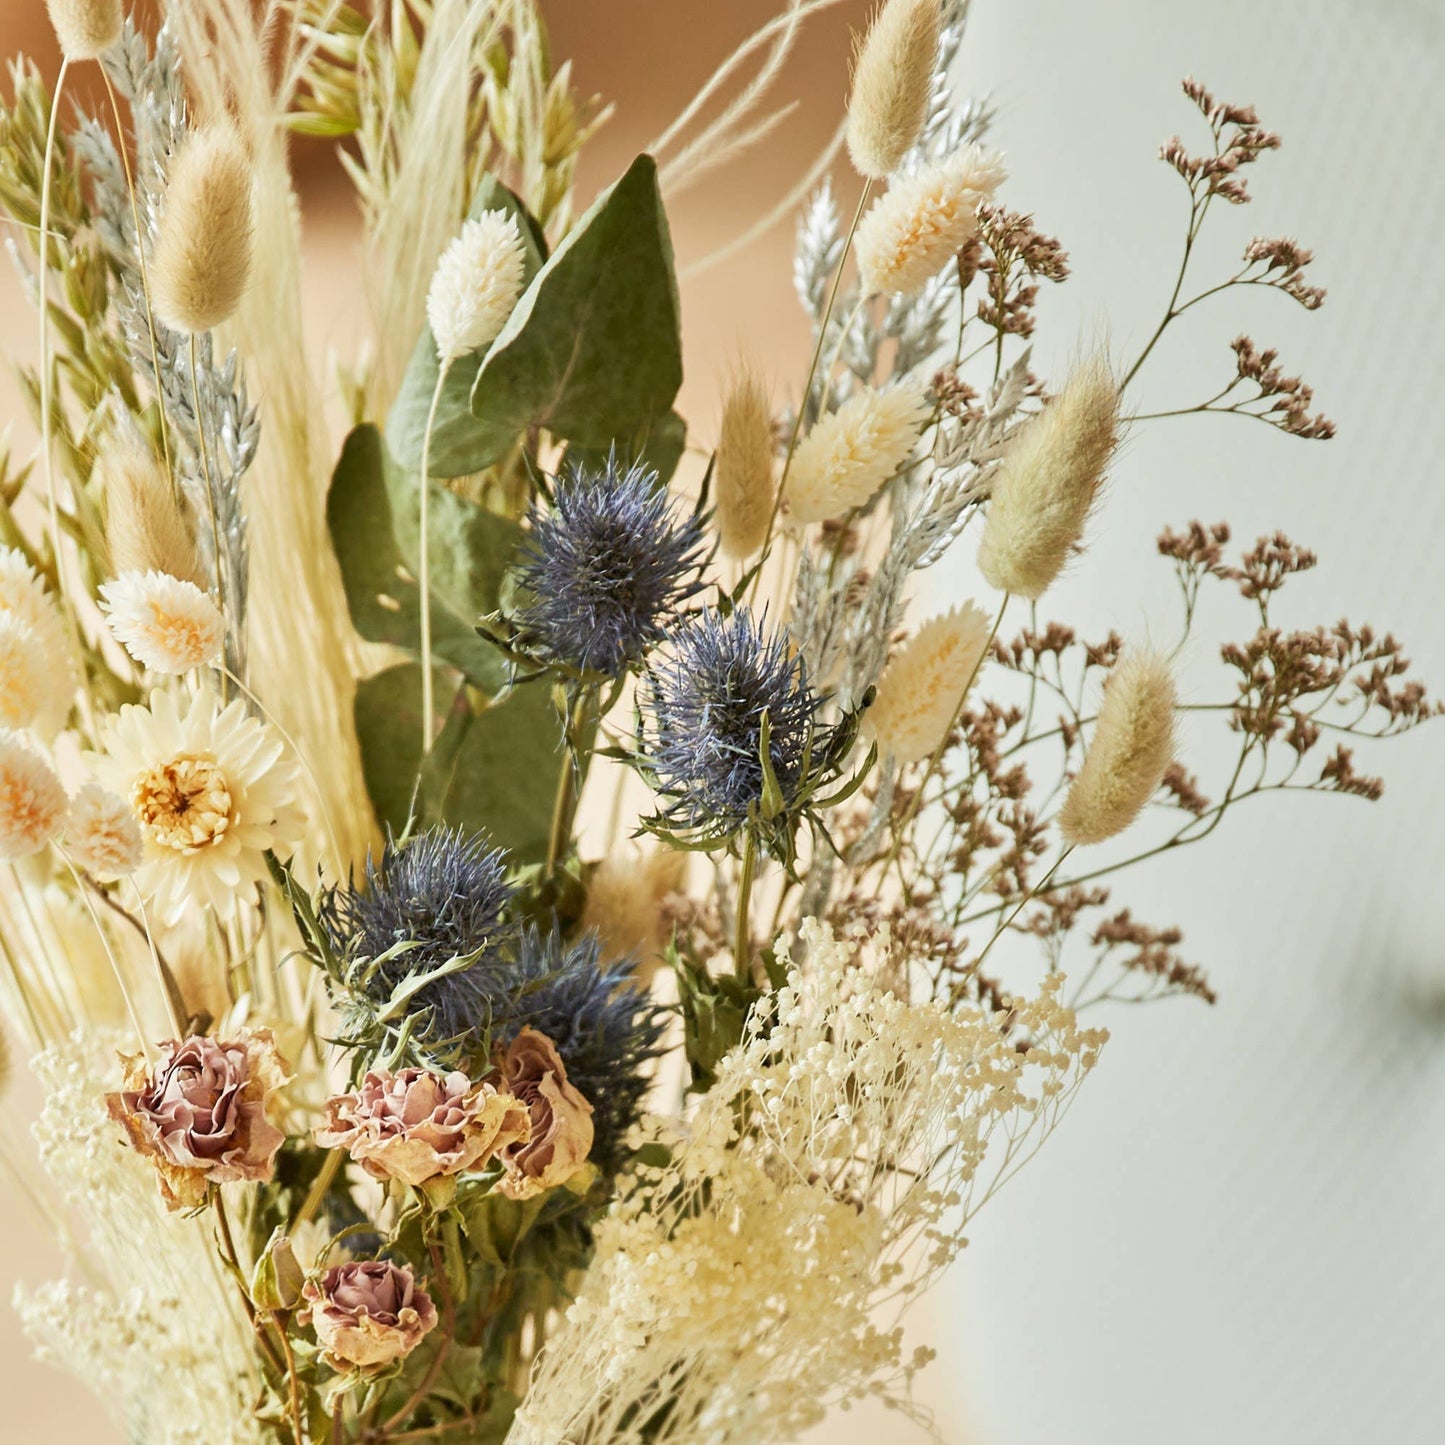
{"points": [[393, 1092]]}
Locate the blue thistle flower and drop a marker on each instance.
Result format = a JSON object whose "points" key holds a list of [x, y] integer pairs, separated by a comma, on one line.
{"points": [[707, 699], [606, 568], [437, 897], [604, 1030]]}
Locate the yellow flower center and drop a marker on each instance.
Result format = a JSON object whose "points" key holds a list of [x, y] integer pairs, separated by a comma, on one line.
{"points": [[184, 803]]}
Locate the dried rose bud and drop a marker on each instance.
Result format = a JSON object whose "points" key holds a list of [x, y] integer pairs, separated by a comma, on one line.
{"points": [[367, 1314], [277, 1280], [561, 1136], [203, 1113], [420, 1127]]}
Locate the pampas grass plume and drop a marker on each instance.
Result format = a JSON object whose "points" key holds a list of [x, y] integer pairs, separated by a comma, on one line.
{"points": [[1048, 482], [144, 525], [1132, 746], [202, 260], [86, 29], [892, 79], [743, 479]]}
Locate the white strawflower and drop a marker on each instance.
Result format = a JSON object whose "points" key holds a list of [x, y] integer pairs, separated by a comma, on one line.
{"points": [[211, 789], [27, 607], [851, 452], [476, 285], [25, 677], [922, 687], [32, 799], [166, 624], [923, 221], [101, 833]]}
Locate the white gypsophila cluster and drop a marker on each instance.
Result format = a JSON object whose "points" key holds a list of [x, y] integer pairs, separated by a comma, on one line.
{"points": [[161, 1334], [755, 1279]]}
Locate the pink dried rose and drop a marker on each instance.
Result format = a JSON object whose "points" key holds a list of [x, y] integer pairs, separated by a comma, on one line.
{"points": [[561, 1136], [367, 1314], [420, 1127], [203, 1112]]}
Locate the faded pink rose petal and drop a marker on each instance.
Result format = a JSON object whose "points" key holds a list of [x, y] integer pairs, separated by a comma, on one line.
{"points": [[561, 1134]]}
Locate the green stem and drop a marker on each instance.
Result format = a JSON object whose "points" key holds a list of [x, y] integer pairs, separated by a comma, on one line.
{"points": [[424, 561], [742, 929]]}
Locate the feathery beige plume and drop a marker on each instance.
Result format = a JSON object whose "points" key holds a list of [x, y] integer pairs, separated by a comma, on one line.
{"points": [[86, 29], [202, 259], [1132, 746], [1047, 483], [743, 477], [924, 220], [851, 452], [892, 79], [625, 898], [922, 687], [144, 525], [39, 670], [476, 285]]}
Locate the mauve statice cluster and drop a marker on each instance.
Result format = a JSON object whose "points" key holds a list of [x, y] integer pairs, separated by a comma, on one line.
{"points": [[440, 896], [605, 569], [702, 737]]}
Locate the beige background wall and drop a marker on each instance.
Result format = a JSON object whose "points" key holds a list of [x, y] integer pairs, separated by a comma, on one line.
{"points": [[1236, 1236]]}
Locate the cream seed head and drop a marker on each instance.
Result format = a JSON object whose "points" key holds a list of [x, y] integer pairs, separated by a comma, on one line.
{"points": [[1047, 483], [743, 476], [144, 525], [892, 80], [853, 451], [922, 688], [924, 220], [86, 29], [1132, 747], [33, 804], [202, 260], [165, 624], [476, 284]]}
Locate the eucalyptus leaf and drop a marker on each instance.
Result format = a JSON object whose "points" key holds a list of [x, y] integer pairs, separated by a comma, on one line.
{"points": [[593, 350], [455, 437], [659, 446], [371, 513], [388, 727]]}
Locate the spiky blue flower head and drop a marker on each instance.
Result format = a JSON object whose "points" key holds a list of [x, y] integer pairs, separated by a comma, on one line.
{"points": [[606, 567], [605, 1031], [702, 734], [434, 899]]}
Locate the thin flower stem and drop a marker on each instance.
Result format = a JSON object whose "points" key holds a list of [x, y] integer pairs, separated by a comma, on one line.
{"points": [[293, 1385], [424, 560], [742, 922], [808, 384], [449, 1325], [130, 1007], [317, 1192], [47, 430], [163, 974], [232, 1261], [1023, 902]]}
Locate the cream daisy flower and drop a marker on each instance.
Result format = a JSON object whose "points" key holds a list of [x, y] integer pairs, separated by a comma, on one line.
{"points": [[30, 698], [102, 834], [32, 799], [166, 624], [851, 452], [922, 221], [211, 789], [476, 285], [922, 687]]}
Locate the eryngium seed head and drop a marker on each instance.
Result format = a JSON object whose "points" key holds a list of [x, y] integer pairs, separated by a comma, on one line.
{"points": [[606, 1033], [606, 567], [444, 892], [703, 724]]}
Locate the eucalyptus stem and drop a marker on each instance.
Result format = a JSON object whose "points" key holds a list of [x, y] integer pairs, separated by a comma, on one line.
{"points": [[424, 559], [742, 922], [569, 790]]}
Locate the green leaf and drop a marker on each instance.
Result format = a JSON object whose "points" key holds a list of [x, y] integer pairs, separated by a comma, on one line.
{"points": [[455, 438], [371, 513], [659, 445], [495, 771], [593, 351]]}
